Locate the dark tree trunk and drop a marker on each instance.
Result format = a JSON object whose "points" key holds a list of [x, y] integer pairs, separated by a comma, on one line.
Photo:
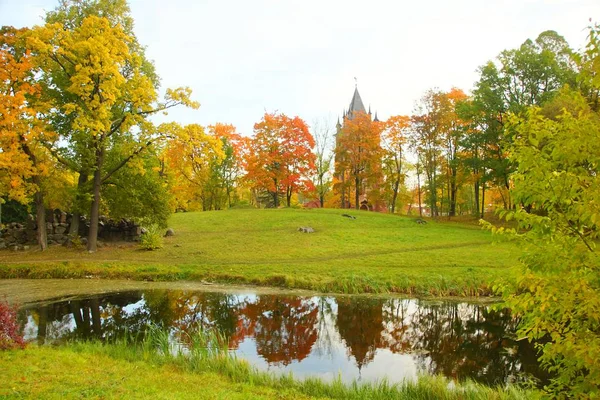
{"points": [[95, 211], [453, 189], [321, 192], [483, 200], [395, 194], [419, 193], [477, 197]]}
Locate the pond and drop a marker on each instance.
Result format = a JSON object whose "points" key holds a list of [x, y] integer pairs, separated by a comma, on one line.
{"points": [[353, 337]]}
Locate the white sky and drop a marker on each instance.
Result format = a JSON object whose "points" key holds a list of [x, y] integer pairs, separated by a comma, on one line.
{"points": [[242, 58]]}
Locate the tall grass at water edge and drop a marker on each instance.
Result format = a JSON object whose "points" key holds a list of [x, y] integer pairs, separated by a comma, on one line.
{"points": [[206, 351]]}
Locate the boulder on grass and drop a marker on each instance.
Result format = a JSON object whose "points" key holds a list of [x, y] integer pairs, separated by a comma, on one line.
{"points": [[306, 229], [170, 232]]}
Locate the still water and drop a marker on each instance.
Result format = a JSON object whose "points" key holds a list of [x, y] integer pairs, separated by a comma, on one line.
{"points": [[356, 338]]}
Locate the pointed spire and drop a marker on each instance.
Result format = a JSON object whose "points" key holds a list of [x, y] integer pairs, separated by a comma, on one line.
{"points": [[338, 125], [376, 119], [369, 109], [356, 104]]}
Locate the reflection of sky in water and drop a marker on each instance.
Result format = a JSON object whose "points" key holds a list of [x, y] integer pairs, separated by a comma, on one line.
{"points": [[401, 336], [394, 367]]}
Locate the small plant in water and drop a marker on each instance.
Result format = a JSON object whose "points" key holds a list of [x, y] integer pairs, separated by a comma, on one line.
{"points": [[152, 238], [10, 335]]}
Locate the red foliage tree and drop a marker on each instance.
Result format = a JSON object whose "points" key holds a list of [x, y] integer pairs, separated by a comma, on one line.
{"points": [[280, 159]]}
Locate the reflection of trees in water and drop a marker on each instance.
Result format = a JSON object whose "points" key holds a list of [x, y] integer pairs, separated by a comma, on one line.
{"points": [[285, 328], [327, 334], [360, 324], [78, 318], [457, 340]]}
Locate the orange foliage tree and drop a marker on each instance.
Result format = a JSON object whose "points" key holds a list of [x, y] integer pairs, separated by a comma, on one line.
{"points": [[191, 156], [22, 158], [227, 173], [394, 139], [358, 156], [279, 158]]}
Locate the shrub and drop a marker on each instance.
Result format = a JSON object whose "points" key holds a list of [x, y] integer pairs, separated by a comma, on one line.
{"points": [[10, 335], [152, 238]]}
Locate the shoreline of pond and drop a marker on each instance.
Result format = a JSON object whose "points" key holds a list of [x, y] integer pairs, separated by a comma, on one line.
{"points": [[31, 291]]}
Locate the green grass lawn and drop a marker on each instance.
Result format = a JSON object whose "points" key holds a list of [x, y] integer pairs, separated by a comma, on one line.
{"points": [[93, 370], [372, 253]]}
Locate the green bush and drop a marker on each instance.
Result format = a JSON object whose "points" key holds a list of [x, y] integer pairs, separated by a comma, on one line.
{"points": [[152, 238]]}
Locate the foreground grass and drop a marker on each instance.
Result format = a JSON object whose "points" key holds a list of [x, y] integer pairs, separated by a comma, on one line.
{"points": [[374, 253], [152, 370]]}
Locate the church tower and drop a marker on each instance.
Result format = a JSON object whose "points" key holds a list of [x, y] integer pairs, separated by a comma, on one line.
{"points": [[356, 106]]}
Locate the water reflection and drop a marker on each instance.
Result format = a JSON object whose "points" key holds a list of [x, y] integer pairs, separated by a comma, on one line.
{"points": [[355, 337]]}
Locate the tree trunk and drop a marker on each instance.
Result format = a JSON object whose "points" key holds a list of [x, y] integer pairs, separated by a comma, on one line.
{"points": [[356, 192], [321, 192], [74, 228], [477, 197], [419, 193], [453, 190], [288, 196], [395, 194], [95, 211], [343, 186], [483, 200]]}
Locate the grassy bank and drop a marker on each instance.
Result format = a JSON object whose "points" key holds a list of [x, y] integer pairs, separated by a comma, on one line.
{"points": [[150, 369], [372, 253]]}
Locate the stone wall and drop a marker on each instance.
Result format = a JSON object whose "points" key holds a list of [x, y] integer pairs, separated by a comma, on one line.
{"points": [[58, 223]]}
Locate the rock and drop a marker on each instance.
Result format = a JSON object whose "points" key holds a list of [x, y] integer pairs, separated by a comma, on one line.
{"points": [[63, 217], [2, 244], [60, 230], [348, 216], [14, 248], [61, 238], [170, 232], [100, 244], [31, 225], [83, 241], [25, 248], [306, 229], [420, 221]]}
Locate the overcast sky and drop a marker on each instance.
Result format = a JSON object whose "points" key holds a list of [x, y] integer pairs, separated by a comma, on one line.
{"points": [[242, 58]]}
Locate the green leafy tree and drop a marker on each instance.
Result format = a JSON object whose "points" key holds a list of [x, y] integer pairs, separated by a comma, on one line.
{"points": [[557, 294]]}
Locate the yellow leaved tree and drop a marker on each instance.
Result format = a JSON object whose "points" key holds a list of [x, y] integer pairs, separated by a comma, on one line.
{"points": [[103, 91], [23, 161]]}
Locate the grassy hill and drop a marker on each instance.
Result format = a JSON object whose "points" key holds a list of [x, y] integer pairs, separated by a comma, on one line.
{"points": [[372, 253]]}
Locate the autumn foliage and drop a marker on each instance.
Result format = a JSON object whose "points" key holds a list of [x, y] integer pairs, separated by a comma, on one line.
{"points": [[358, 157], [10, 335], [279, 159]]}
